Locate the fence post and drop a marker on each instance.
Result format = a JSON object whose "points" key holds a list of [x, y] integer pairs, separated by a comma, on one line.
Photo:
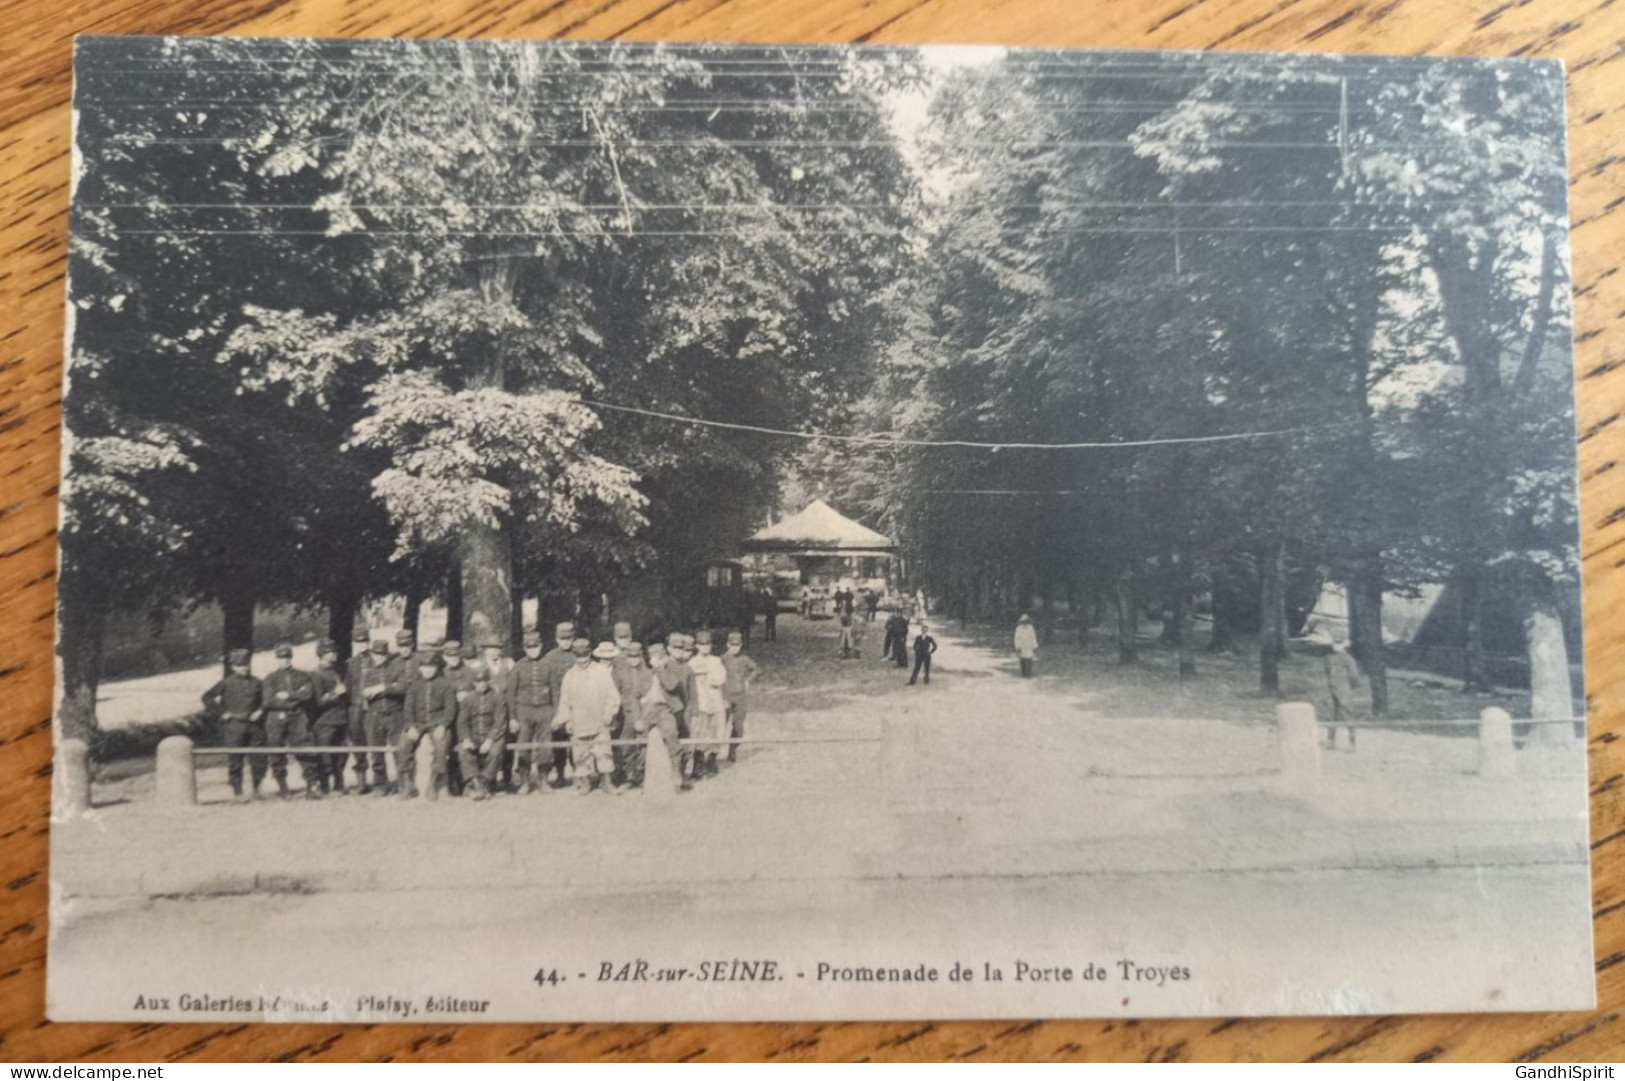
{"points": [[176, 773], [72, 773], [1298, 737], [1496, 755]]}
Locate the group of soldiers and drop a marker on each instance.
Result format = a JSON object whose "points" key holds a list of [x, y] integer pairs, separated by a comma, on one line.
{"points": [[488, 722]]}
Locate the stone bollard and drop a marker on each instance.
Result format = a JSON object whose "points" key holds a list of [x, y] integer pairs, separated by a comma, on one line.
{"points": [[72, 774], [1298, 737], [1497, 757], [176, 772], [659, 780]]}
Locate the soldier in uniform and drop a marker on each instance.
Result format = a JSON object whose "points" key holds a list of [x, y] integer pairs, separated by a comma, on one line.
{"points": [[289, 694], [739, 671], [237, 702], [529, 693], [634, 684], [357, 710], [405, 645], [556, 662], [384, 680], [482, 728], [332, 713], [461, 678], [429, 714], [677, 680]]}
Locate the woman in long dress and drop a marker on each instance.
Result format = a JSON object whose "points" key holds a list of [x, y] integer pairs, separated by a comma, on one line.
{"points": [[1026, 644]]}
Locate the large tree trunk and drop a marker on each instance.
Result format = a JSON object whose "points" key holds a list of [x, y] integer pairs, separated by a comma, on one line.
{"points": [[414, 608], [485, 552], [485, 556], [1549, 693], [237, 608], [1368, 590], [1272, 612], [1128, 620], [341, 613], [83, 619]]}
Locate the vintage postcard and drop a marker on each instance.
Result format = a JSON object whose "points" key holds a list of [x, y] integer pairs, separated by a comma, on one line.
{"points": [[559, 531]]}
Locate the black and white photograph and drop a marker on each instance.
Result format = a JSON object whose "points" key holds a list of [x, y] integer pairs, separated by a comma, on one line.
{"points": [[568, 531]]}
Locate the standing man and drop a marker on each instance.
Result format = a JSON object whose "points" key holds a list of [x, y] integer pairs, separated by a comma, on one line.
{"points": [[871, 604], [924, 646], [289, 694], [770, 615], [529, 693], [405, 645], [1026, 644], [588, 702], [384, 680], [429, 714], [457, 673], [557, 661], [357, 709], [332, 708], [738, 673], [663, 704], [482, 728], [634, 686], [237, 701], [708, 709]]}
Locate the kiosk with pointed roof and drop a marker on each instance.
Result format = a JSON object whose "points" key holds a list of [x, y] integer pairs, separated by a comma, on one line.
{"points": [[825, 545]]}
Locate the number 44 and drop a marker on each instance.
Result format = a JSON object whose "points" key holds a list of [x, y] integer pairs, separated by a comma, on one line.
{"points": [[546, 976]]}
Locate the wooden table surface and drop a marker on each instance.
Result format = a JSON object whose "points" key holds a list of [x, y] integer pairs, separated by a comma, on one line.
{"points": [[35, 45]]}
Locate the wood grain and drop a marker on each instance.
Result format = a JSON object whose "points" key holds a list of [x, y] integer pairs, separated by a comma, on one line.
{"points": [[34, 161]]}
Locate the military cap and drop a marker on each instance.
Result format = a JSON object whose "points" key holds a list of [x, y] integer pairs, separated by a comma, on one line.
{"points": [[703, 636], [491, 643], [326, 645], [532, 638], [606, 651], [580, 647], [471, 652], [565, 630], [634, 648], [405, 637], [238, 656], [360, 635], [451, 647], [434, 643], [428, 658], [283, 649], [623, 626], [478, 668], [380, 646]]}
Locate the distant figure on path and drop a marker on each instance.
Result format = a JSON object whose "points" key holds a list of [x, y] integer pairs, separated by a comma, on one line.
{"points": [[924, 646], [1026, 644], [871, 604], [895, 646], [849, 643]]}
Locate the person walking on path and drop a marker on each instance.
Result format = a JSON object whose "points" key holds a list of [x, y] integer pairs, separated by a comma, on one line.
{"points": [[770, 615], [924, 646], [1026, 644], [871, 605], [849, 644]]}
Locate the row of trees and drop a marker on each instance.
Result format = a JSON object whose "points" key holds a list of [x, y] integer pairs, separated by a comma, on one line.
{"points": [[341, 308], [367, 318], [1362, 261]]}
